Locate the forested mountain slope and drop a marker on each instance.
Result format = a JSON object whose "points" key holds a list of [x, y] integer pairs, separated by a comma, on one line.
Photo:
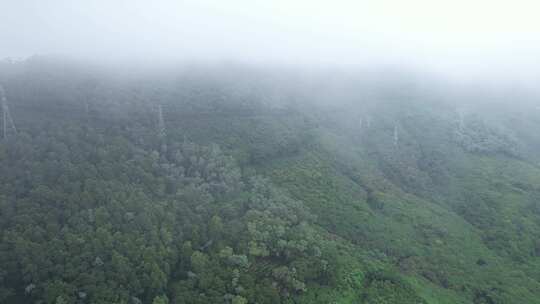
{"points": [[265, 187]]}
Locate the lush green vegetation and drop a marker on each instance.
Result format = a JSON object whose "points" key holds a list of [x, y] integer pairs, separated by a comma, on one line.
{"points": [[264, 189]]}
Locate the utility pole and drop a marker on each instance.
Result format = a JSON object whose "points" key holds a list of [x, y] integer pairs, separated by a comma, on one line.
{"points": [[6, 116]]}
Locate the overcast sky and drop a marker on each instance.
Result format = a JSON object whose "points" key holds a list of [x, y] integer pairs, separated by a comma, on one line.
{"points": [[459, 36]]}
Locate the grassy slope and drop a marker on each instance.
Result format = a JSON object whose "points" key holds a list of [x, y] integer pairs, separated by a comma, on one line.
{"points": [[437, 248], [447, 255]]}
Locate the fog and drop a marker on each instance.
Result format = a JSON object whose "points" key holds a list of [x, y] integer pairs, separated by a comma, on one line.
{"points": [[278, 151], [489, 40]]}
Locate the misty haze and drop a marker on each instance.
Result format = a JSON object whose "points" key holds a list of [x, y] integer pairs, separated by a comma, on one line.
{"points": [[178, 152]]}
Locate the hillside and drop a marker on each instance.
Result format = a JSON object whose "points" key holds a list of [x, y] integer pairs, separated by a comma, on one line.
{"points": [[265, 187]]}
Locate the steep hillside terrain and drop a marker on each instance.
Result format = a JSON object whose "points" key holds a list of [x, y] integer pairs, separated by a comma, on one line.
{"points": [[264, 187]]}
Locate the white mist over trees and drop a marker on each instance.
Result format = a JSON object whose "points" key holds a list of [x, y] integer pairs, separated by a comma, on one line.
{"points": [[288, 151], [493, 40]]}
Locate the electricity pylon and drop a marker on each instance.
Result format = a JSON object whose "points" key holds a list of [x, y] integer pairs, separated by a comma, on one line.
{"points": [[461, 119], [6, 116], [161, 129], [396, 135], [161, 122]]}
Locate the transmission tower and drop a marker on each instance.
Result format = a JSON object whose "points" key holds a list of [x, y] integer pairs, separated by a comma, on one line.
{"points": [[161, 122], [396, 136], [161, 129], [6, 116], [368, 122], [461, 119]]}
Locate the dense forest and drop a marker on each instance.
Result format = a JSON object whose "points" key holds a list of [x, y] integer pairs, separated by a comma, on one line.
{"points": [[234, 184]]}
